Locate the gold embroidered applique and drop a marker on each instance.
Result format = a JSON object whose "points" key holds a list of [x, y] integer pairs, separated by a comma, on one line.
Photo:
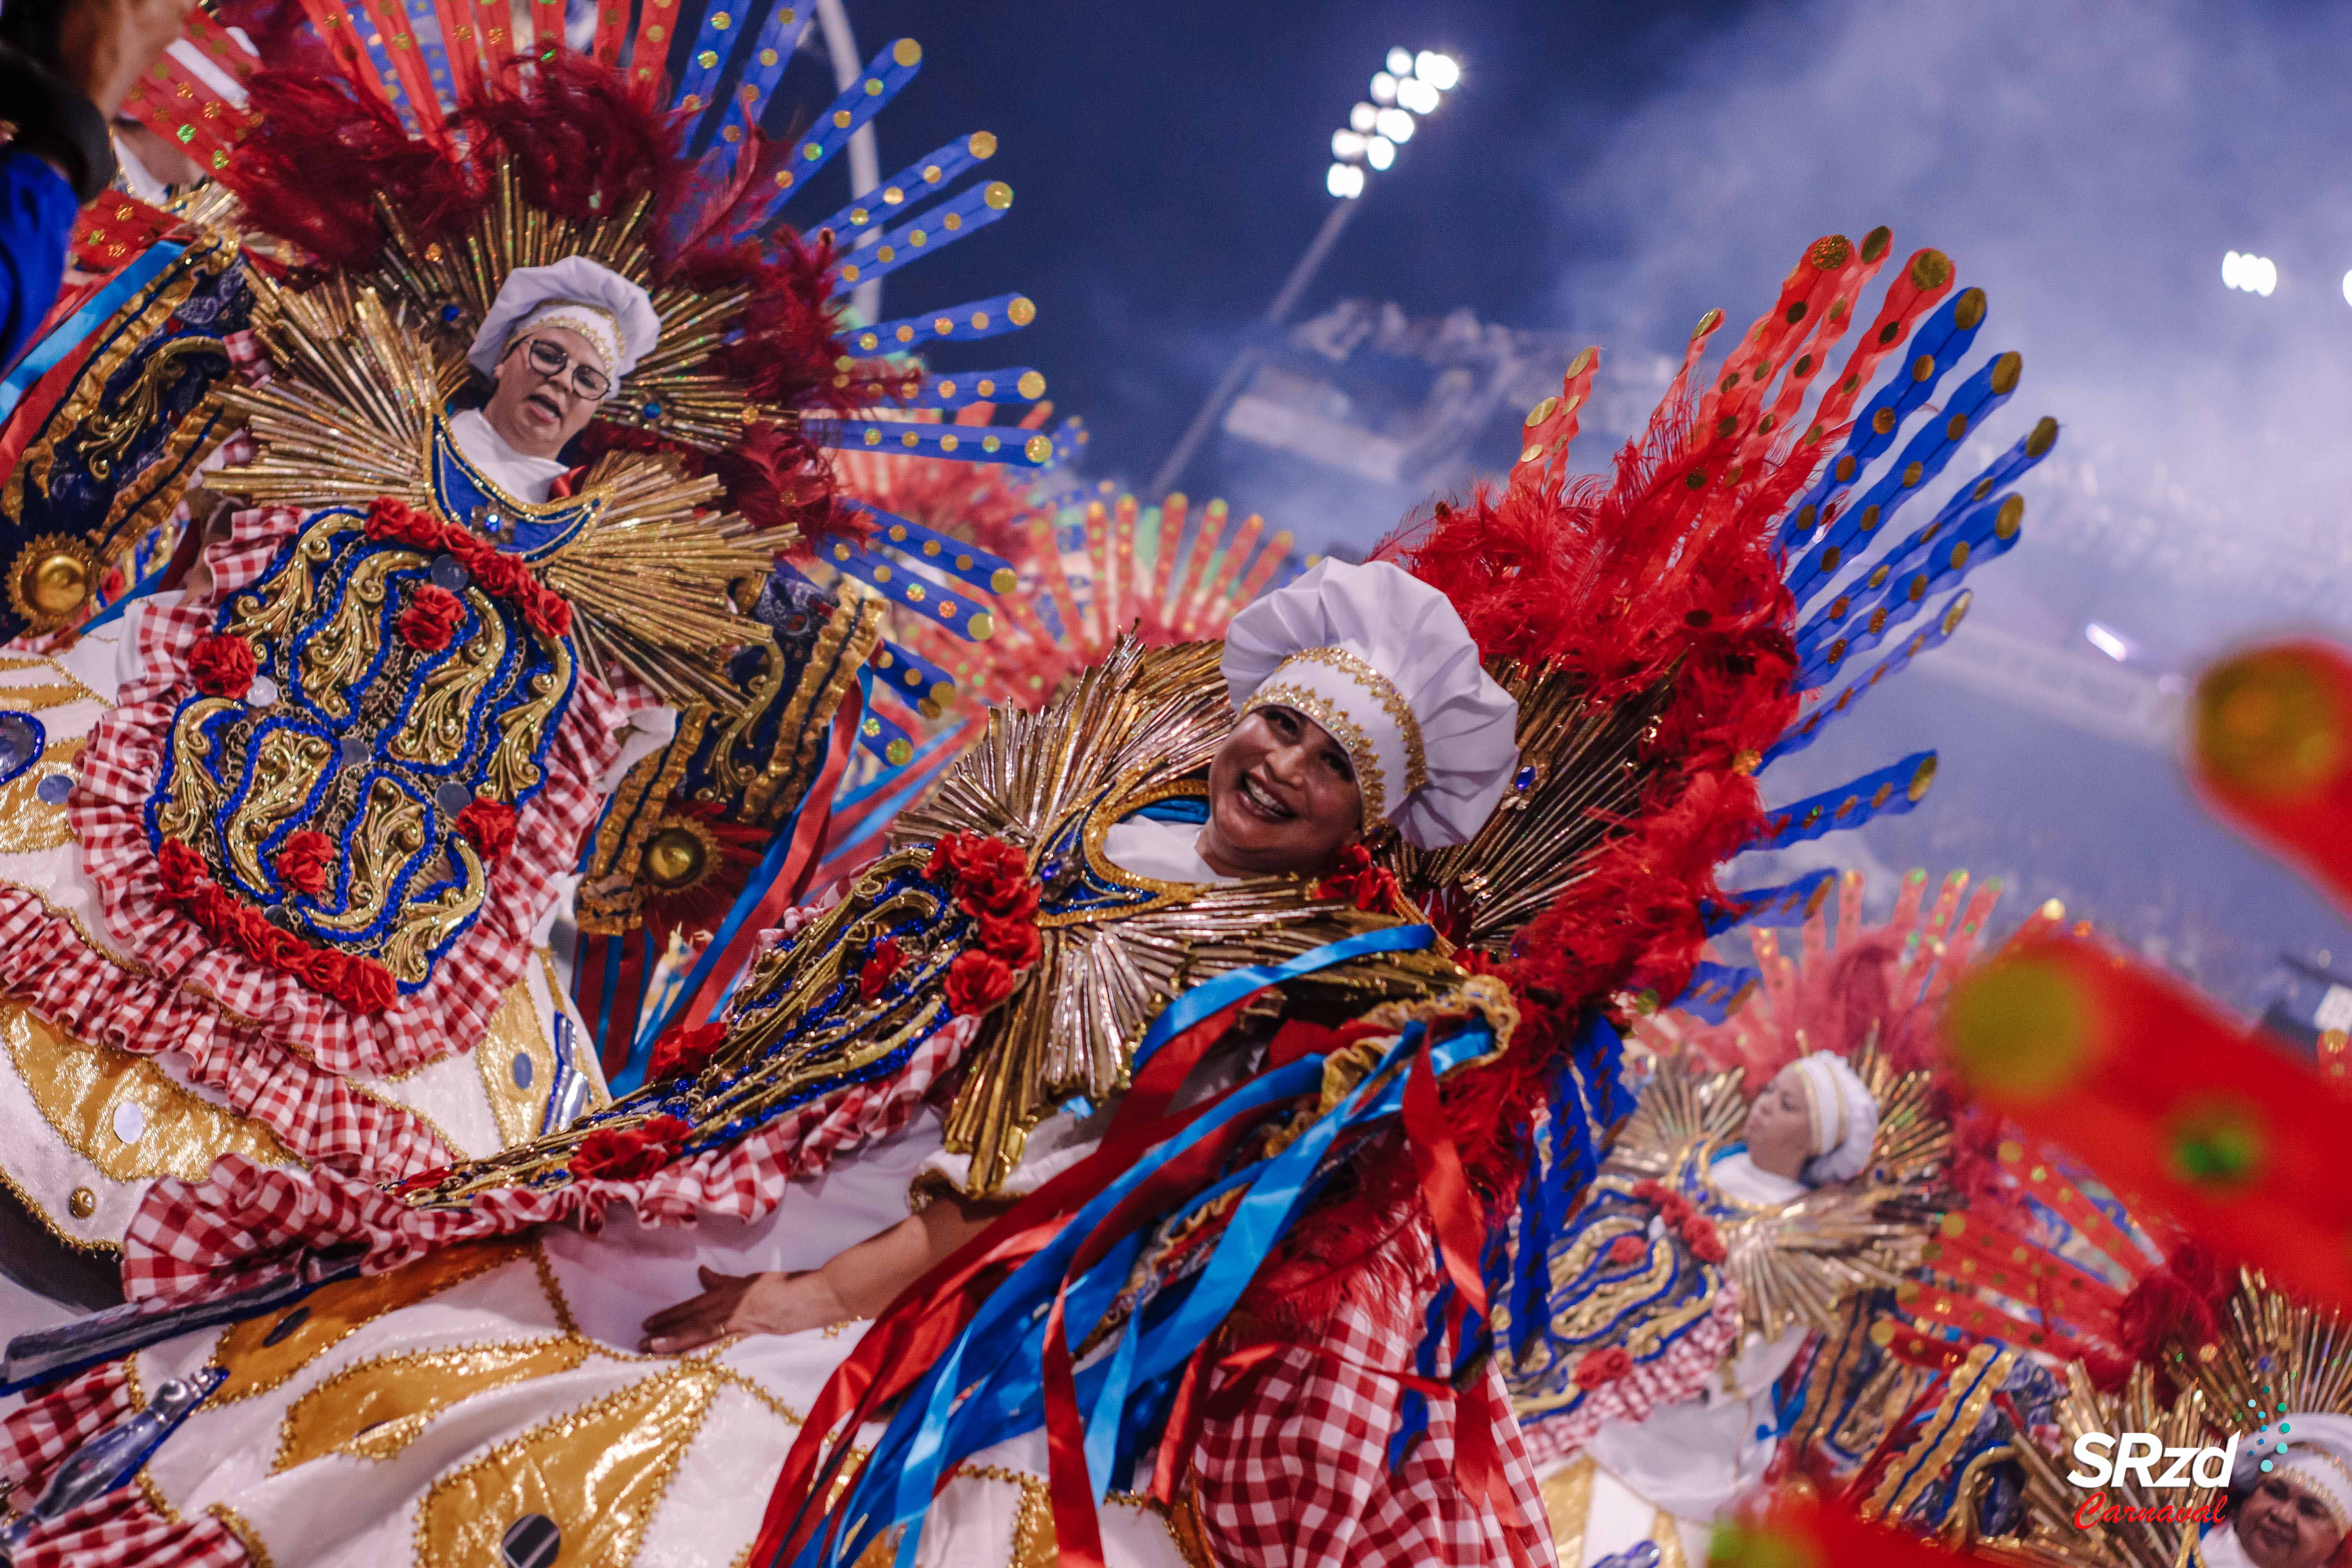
{"points": [[372, 1409], [331, 1313], [598, 1472], [514, 1035], [91, 1095]]}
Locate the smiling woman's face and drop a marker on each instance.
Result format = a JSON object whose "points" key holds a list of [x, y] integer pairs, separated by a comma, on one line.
{"points": [[1282, 797], [536, 412], [2280, 1525]]}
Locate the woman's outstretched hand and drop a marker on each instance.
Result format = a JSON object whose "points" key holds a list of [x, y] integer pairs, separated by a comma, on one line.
{"points": [[858, 1281], [744, 1304]]}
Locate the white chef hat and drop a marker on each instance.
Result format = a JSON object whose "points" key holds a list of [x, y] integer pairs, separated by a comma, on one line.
{"points": [[2316, 1457], [1845, 1115], [590, 298], [1381, 659]]}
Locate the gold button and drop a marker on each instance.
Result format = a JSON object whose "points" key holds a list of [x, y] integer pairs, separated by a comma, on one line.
{"points": [[60, 583], [674, 858], [82, 1204]]}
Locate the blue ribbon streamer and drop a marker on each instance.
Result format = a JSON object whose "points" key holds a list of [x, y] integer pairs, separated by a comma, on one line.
{"points": [[62, 341], [989, 1386], [1214, 997]]}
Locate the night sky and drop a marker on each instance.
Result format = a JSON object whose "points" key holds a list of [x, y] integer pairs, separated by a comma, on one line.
{"points": [[1168, 166]]}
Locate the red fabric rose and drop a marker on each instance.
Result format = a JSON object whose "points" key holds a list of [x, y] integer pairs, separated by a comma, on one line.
{"points": [[489, 826], [977, 981], [882, 962], [946, 864], [992, 876], [368, 986], [303, 861], [431, 619], [498, 573], [1627, 1250], [686, 1052], [1000, 900], [1675, 1207], [223, 666], [1704, 1241], [1603, 1366], [396, 519], [1012, 940], [629, 1153], [1358, 881], [326, 970], [550, 615], [182, 868]]}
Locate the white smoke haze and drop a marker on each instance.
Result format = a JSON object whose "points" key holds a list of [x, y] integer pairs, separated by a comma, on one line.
{"points": [[2088, 164]]}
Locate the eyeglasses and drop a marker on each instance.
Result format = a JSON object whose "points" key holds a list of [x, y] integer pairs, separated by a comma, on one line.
{"points": [[550, 359]]}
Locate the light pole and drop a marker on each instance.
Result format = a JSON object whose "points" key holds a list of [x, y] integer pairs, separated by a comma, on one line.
{"points": [[1408, 85]]}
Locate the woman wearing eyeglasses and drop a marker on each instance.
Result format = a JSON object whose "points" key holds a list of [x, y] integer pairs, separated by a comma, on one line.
{"points": [[557, 364]]}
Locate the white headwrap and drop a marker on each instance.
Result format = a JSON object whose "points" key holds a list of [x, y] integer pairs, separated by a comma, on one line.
{"points": [[1380, 658], [2317, 1459], [1845, 1117], [590, 298]]}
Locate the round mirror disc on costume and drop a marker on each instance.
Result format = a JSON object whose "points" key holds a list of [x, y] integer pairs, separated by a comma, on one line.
{"points": [[54, 789], [674, 858], [452, 798], [447, 572], [59, 584], [521, 1070], [530, 1541], [16, 742]]}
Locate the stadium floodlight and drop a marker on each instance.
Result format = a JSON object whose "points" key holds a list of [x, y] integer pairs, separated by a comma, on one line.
{"points": [[2252, 273], [1416, 95]]}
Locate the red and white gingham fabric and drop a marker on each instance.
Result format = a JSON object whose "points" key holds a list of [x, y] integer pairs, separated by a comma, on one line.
{"points": [[271, 1047], [124, 1530], [251, 361], [184, 1232], [1298, 1475], [1677, 1376], [120, 1530], [55, 1420]]}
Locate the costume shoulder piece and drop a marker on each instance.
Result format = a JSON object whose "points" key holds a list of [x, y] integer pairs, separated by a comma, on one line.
{"points": [[111, 410], [1118, 947]]}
